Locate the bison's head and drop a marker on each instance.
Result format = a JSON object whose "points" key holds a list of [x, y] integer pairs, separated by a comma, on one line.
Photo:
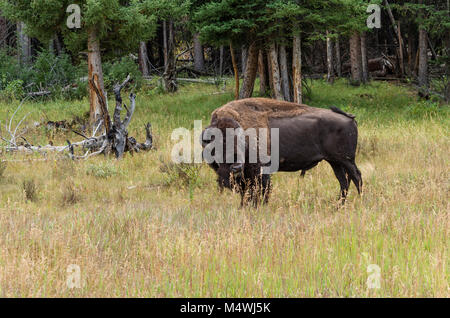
{"points": [[229, 173]]}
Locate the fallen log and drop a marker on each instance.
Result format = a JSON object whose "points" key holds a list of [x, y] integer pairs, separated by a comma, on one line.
{"points": [[114, 140], [194, 80], [191, 70]]}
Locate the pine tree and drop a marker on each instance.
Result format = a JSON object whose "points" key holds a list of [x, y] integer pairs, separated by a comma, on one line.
{"points": [[118, 25]]}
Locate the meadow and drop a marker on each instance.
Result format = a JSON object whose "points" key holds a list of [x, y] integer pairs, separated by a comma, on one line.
{"points": [[136, 228]]}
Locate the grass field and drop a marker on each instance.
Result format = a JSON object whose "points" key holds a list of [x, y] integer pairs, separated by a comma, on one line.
{"points": [[137, 232]]}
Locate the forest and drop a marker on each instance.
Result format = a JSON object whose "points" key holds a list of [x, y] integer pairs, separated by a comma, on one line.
{"points": [[91, 92]]}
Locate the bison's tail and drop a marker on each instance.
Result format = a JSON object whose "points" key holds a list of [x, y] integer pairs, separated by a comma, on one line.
{"points": [[339, 111]]}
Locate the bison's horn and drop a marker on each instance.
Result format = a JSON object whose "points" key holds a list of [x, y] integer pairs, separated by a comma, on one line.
{"points": [[237, 168]]}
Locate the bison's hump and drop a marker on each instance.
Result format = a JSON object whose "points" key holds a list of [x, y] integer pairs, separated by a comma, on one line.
{"points": [[255, 112]]}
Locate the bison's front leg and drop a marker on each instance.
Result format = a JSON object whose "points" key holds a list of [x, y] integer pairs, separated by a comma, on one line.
{"points": [[259, 190], [266, 187]]}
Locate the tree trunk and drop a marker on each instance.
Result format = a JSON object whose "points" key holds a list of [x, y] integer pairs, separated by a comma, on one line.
{"points": [[221, 61], [330, 68], [338, 58], [397, 37], [143, 58], [400, 51], [364, 59], [51, 45], [269, 70], [423, 58], [199, 58], [263, 74], [3, 31], [58, 44], [250, 72], [170, 70], [284, 74], [447, 64], [244, 54], [236, 73], [165, 48], [23, 44], [297, 69], [355, 58], [160, 47], [96, 72], [273, 57], [412, 48]]}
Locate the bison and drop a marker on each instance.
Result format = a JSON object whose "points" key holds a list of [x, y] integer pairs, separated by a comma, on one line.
{"points": [[307, 135]]}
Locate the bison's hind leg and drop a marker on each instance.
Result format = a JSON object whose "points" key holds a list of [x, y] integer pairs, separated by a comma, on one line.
{"points": [[343, 178], [354, 174]]}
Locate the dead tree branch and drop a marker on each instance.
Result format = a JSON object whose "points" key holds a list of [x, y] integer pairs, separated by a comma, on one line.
{"points": [[114, 140]]}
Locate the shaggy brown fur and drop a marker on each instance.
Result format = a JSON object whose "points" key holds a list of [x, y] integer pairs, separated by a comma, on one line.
{"points": [[255, 113]]}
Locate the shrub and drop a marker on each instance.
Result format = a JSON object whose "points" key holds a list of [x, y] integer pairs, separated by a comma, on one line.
{"points": [[3, 166], [49, 71], [13, 91], [102, 170], [57, 72], [117, 70], [184, 173], [155, 86], [30, 190], [69, 194], [10, 69]]}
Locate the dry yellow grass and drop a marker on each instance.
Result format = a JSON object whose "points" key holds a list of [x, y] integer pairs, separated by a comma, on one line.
{"points": [[134, 234]]}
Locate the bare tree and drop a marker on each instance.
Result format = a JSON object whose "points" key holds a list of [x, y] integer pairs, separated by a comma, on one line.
{"points": [[114, 140], [96, 72]]}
